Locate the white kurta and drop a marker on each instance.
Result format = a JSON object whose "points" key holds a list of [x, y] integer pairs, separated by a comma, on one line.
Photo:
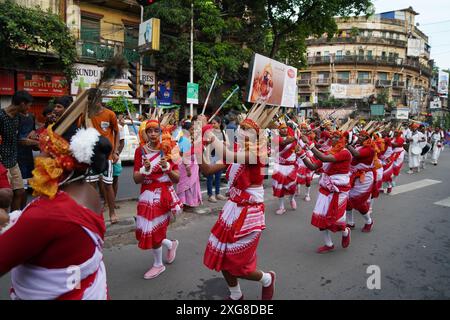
{"points": [[435, 140], [414, 159]]}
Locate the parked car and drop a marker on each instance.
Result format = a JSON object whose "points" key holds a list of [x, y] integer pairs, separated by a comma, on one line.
{"points": [[131, 140]]}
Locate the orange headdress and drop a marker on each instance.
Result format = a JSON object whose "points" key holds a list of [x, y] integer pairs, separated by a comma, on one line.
{"points": [[340, 145]]}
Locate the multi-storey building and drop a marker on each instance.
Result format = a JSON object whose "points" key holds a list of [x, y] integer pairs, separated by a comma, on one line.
{"points": [[384, 53]]}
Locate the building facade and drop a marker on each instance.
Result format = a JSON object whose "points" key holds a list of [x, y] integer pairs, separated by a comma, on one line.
{"points": [[370, 57], [102, 30]]}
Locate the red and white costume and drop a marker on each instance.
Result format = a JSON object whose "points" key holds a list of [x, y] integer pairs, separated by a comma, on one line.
{"points": [[284, 178], [362, 180], [54, 251], [388, 161], [304, 174], [234, 237], [157, 201], [325, 141], [329, 212], [398, 155]]}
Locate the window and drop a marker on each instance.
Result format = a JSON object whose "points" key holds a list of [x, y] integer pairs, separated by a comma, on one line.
{"points": [[343, 75], [131, 36], [90, 29], [383, 55], [382, 76], [370, 33], [363, 75], [369, 53], [305, 76], [397, 77], [339, 53], [361, 52], [388, 35], [318, 54], [323, 75], [326, 53], [348, 53]]}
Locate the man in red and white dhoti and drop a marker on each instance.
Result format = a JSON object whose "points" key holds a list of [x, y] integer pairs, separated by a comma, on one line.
{"points": [[284, 178], [377, 165], [304, 174], [334, 185], [158, 203], [234, 238], [54, 247], [398, 155], [362, 180], [387, 161]]}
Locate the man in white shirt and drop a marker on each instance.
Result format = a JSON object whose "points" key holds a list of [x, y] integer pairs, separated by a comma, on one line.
{"points": [[437, 142], [415, 138]]}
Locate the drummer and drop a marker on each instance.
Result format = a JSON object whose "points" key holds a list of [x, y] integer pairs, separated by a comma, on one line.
{"points": [[415, 138]]}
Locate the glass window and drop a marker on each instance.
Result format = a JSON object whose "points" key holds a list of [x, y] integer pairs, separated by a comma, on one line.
{"points": [[382, 76], [326, 53], [324, 75], [369, 53], [339, 53], [131, 36], [343, 75], [363, 75], [90, 29]]}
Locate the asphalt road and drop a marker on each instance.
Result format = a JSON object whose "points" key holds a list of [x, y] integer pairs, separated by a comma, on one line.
{"points": [[410, 243]]}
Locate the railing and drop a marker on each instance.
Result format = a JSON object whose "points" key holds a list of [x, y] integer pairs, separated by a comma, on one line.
{"points": [[383, 83], [102, 51], [323, 82], [304, 82], [343, 81], [376, 60], [364, 81], [398, 84], [357, 40]]}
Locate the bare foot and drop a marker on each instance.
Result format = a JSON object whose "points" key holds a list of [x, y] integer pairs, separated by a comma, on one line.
{"points": [[114, 218]]}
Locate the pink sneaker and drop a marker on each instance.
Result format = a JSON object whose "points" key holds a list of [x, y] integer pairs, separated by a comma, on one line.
{"points": [[154, 272], [280, 211], [171, 254], [293, 204]]}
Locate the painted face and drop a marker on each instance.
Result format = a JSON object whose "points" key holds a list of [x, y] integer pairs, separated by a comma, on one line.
{"points": [[153, 134]]}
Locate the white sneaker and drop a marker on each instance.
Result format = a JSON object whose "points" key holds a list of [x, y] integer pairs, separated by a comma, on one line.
{"points": [[212, 199], [410, 172], [307, 198]]}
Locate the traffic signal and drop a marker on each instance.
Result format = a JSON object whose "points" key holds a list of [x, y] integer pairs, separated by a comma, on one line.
{"points": [[146, 2], [133, 77]]}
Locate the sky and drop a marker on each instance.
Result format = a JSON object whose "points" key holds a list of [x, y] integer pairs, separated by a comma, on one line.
{"points": [[434, 20]]}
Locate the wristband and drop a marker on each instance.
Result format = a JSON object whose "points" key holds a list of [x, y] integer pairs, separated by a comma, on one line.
{"points": [[165, 169], [144, 171], [303, 156]]}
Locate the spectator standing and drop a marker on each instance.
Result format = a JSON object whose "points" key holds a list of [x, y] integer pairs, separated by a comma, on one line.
{"points": [[105, 122], [117, 167], [220, 135], [9, 133]]}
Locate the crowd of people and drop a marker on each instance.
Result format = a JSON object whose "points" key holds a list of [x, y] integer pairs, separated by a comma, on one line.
{"points": [[64, 225]]}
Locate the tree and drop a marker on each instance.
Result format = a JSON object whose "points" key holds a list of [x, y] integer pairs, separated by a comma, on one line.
{"points": [[295, 20], [25, 30], [117, 105]]}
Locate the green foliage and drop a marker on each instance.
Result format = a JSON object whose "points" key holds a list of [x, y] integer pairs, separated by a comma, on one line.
{"points": [[332, 102], [354, 32], [34, 30], [235, 102], [117, 105]]}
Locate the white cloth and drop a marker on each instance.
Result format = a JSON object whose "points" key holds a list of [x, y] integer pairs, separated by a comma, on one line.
{"points": [[414, 159]]}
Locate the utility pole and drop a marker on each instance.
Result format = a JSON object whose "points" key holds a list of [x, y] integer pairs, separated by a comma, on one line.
{"points": [[192, 54], [141, 61]]}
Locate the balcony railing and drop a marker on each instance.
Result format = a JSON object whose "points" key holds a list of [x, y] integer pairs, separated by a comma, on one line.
{"points": [[343, 81], [364, 81], [398, 84], [383, 83], [102, 51], [374, 60], [323, 82], [357, 40], [304, 82]]}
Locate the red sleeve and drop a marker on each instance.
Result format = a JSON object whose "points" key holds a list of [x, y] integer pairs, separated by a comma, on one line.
{"points": [[137, 159], [343, 155], [4, 183], [366, 152], [173, 165], [25, 240]]}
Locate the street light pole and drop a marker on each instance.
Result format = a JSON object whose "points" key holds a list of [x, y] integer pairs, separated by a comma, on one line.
{"points": [[141, 61], [192, 54]]}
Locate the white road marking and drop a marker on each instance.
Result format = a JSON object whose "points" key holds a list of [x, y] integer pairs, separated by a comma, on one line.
{"points": [[414, 185], [444, 203]]}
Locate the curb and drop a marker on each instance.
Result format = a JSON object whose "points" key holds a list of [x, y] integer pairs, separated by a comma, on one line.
{"points": [[127, 225]]}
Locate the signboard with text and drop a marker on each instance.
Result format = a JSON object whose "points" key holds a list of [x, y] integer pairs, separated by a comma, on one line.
{"points": [[192, 93], [273, 82], [6, 82], [149, 33], [351, 91], [41, 84]]}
